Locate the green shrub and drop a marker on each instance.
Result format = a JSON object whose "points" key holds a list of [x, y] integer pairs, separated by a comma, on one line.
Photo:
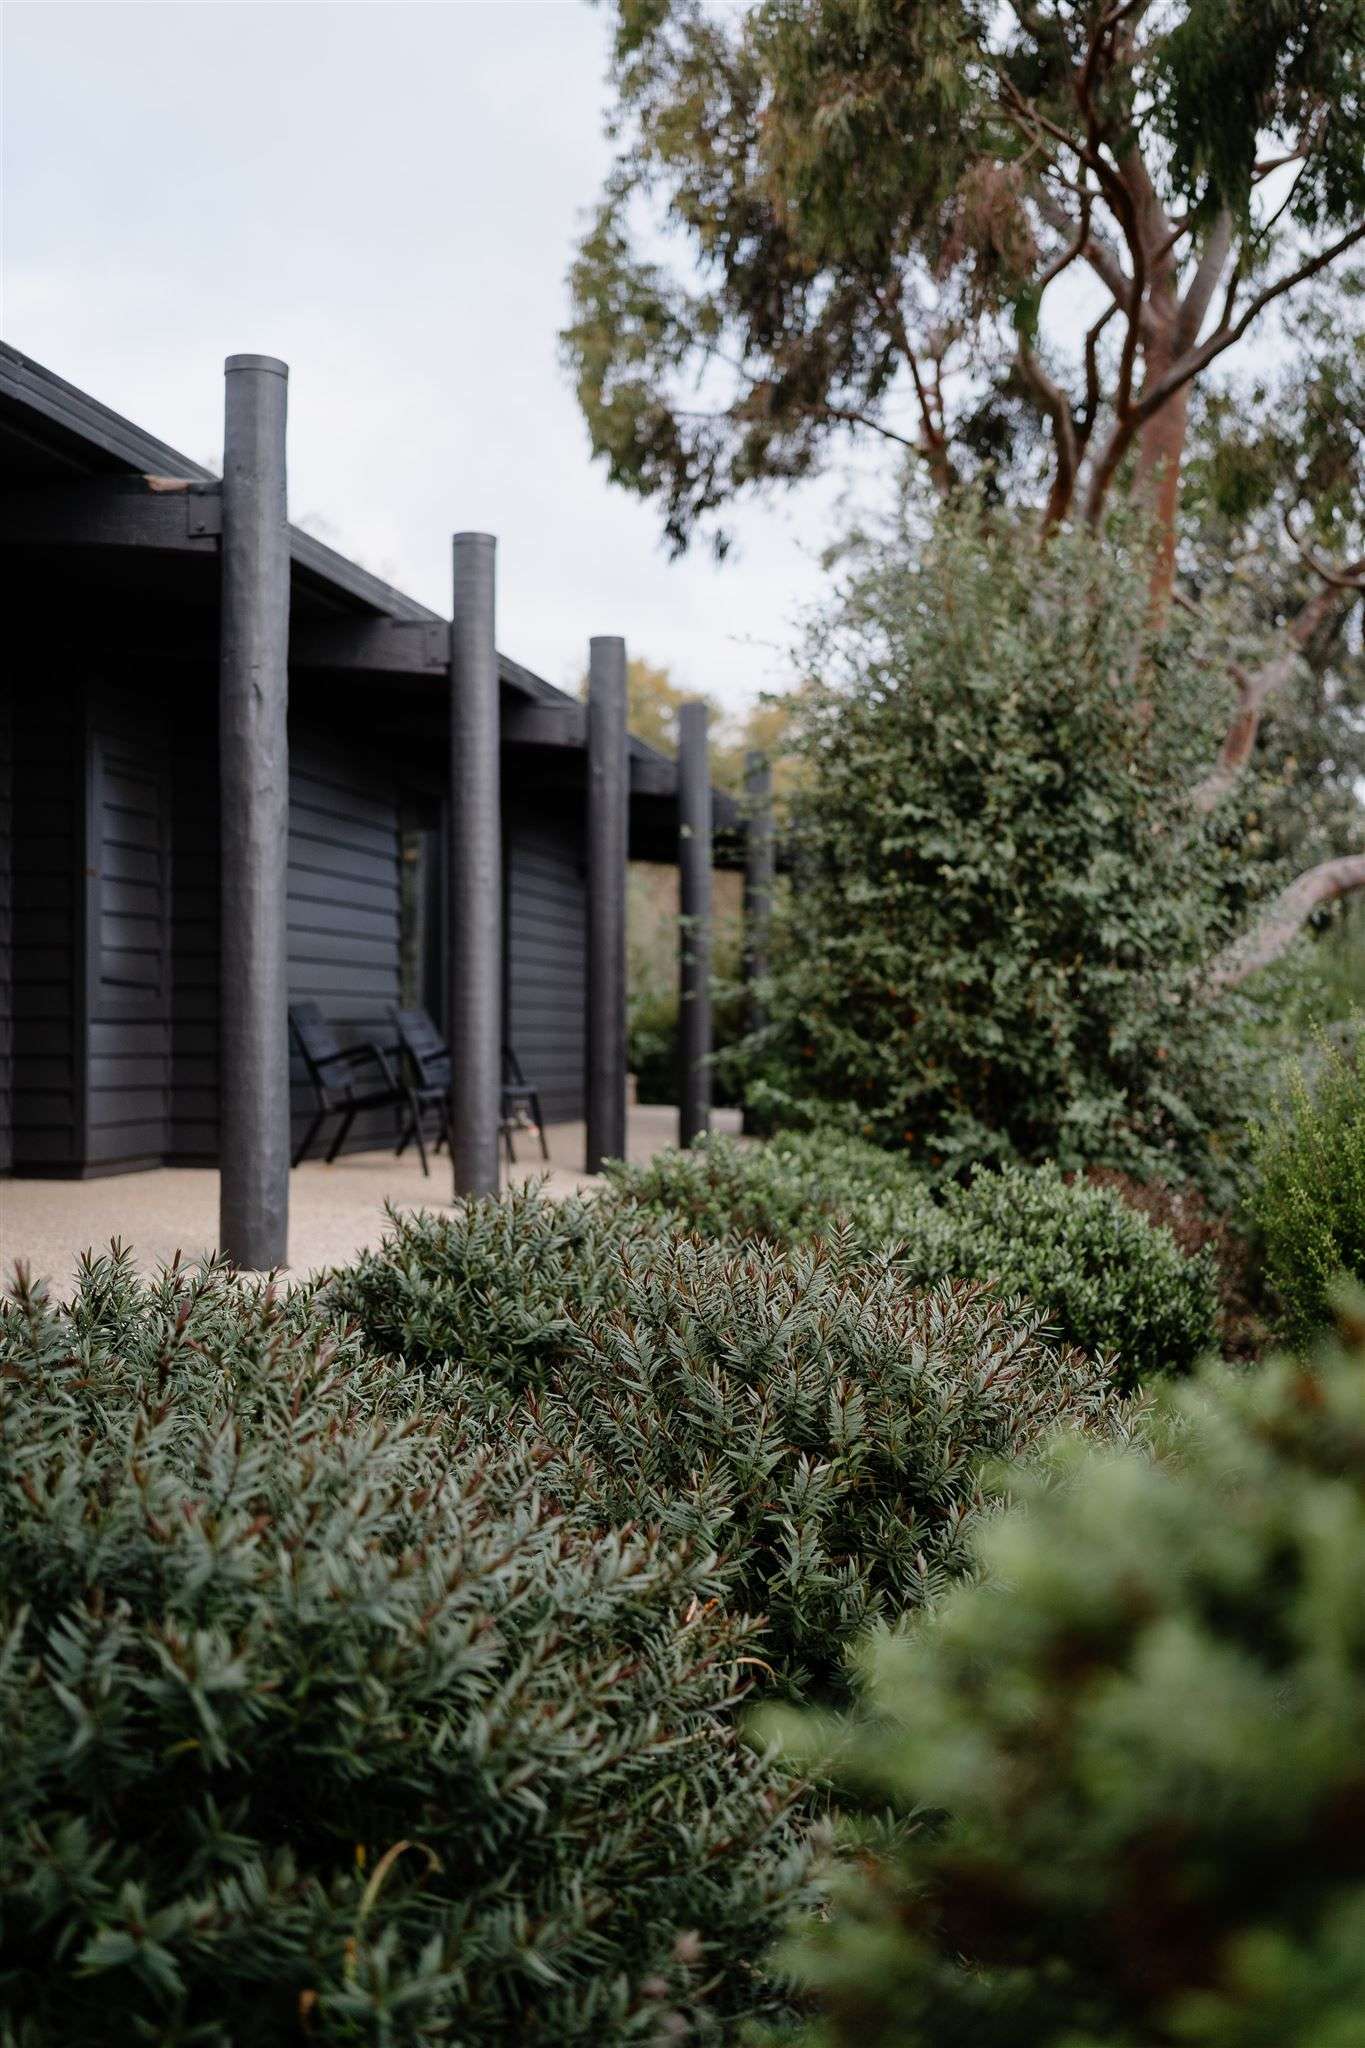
{"points": [[1308, 1194], [809, 1419], [1003, 903], [1112, 1281], [490, 1284], [1141, 1737], [315, 1724], [1109, 1279], [788, 1189]]}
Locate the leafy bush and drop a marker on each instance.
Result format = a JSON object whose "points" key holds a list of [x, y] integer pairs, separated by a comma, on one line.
{"points": [[790, 1188], [1308, 1195], [316, 1725], [1142, 1735], [1004, 902], [1112, 1281]]}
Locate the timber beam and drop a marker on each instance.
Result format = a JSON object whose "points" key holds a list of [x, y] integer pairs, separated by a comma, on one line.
{"points": [[399, 647], [171, 515]]}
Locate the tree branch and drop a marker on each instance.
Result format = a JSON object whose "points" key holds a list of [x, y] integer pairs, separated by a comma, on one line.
{"points": [[1285, 919], [1057, 406], [1226, 333], [1255, 687]]}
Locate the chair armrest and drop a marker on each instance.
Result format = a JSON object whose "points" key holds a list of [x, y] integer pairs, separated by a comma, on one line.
{"points": [[354, 1055]]}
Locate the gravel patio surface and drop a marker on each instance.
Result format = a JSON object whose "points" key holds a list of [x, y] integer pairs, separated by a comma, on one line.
{"points": [[334, 1211]]}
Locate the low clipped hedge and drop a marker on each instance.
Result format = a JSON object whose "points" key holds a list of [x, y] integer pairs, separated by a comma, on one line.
{"points": [[316, 1722], [800, 1412], [1127, 1764], [1112, 1281]]}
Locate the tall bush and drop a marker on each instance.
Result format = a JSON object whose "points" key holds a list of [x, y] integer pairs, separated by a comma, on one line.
{"points": [[1308, 1185], [1004, 900], [317, 1724], [1128, 1763]]}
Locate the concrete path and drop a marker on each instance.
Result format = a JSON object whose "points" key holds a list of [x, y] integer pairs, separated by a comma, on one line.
{"points": [[334, 1211]]}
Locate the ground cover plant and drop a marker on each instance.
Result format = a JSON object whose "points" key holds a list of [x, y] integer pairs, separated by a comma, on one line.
{"points": [[1134, 1748], [316, 1723], [1308, 1186], [1108, 1277]]}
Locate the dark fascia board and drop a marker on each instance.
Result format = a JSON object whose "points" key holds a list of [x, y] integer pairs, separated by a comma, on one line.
{"points": [[119, 444], [116, 442]]}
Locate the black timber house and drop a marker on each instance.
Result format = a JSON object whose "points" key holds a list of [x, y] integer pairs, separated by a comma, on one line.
{"points": [[110, 888]]}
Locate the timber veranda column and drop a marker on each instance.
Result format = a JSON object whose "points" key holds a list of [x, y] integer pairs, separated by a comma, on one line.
{"points": [[758, 894], [475, 880], [694, 926], [608, 834], [253, 755]]}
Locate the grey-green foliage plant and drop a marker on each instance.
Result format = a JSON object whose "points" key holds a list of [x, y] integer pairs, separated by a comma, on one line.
{"points": [[1005, 901], [489, 1284], [1109, 1280], [316, 1723], [1308, 1185], [802, 1413], [1128, 1761]]}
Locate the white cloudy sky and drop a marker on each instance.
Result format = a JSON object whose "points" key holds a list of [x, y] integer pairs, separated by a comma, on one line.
{"points": [[386, 195]]}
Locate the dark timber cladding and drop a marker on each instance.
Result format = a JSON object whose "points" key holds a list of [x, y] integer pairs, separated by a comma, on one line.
{"points": [[254, 775], [694, 939], [475, 886], [608, 826], [152, 923]]}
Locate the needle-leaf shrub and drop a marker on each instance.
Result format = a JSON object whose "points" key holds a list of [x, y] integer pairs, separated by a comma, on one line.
{"points": [[1110, 1280], [489, 1283], [1308, 1187], [1135, 1747], [317, 1724], [802, 1413]]}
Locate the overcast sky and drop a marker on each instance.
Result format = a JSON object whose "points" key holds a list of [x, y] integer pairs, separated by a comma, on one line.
{"points": [[387, 196]]}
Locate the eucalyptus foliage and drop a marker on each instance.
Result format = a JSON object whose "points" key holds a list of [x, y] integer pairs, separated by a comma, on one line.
{"points": [[317, 1724], [1127, 1763], [1005, 905], [871, 201]]}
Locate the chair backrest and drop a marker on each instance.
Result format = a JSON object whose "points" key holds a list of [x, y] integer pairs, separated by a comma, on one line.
{"points": [[317, 1040], [424, 1045], [512, 1075]]}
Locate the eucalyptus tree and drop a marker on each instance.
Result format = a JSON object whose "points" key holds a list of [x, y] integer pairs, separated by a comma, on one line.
{"points": [[1003, 239]]}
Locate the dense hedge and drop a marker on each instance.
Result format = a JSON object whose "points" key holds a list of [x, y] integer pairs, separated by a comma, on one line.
{"points": [[1111, 1280], [316, 1723], [1143, 1735], [802, 1412], [1308, 1191]]}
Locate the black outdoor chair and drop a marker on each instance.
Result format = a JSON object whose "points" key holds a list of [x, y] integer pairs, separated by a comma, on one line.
{"points": [[519, 1097], [428, 1057], [345, 1078]]}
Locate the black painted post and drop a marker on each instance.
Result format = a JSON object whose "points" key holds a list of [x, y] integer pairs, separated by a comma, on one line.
{"points": [[694, 937], [758, 891], [253, 744], [474, 895], [608, 823]]}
